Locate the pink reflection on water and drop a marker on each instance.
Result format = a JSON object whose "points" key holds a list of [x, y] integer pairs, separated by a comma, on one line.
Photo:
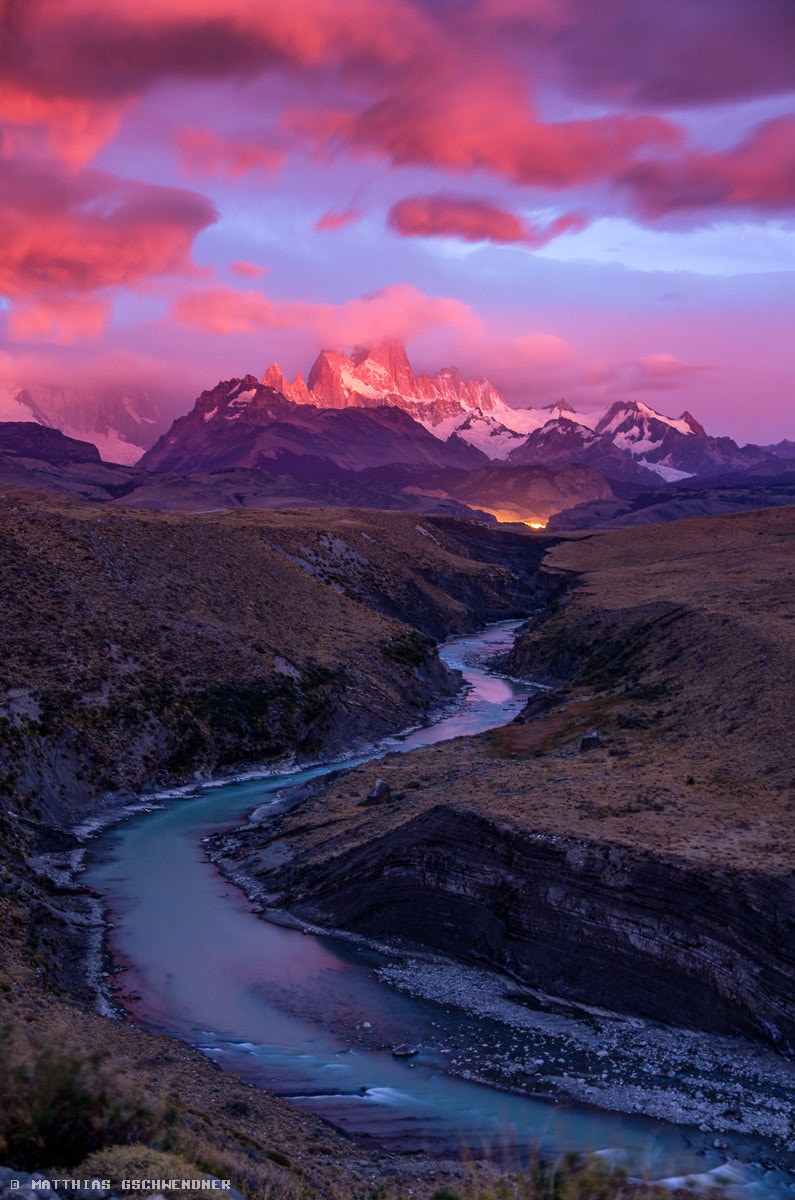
{"points": [[494, 690]]}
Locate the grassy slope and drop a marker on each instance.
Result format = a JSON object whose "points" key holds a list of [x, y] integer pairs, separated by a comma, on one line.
{"points": [[675, 642], [137, 647]]}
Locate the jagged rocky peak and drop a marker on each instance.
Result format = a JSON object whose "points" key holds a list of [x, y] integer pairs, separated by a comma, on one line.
{"points": [[385, 365], [695, 426], [327, 380], [484, 431], [274, 377], [561, 424], [382, 374], [296, 391], [628, 416], [372, 375], [232, 399]]}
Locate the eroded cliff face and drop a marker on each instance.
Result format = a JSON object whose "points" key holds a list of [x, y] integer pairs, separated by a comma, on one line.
{"points": [[604, 924]]}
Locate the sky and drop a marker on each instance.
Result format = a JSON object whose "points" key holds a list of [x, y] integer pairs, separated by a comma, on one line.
{"points": [[573, 199]]}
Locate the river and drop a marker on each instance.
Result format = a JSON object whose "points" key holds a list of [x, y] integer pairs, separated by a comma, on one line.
{"points": [[294, 1013]]}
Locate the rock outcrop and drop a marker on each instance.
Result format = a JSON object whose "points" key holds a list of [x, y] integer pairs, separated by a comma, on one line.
{"points": [[641, 933]]}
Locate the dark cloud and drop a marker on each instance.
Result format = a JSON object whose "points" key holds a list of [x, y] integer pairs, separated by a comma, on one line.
{"points": [[661, 53]]}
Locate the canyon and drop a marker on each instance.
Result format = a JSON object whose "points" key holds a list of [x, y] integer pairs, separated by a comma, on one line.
{"points": [[627, 843], [623, 847]]}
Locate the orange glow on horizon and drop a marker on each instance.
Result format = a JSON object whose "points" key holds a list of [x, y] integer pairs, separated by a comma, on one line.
{"points": [[506, 516]]}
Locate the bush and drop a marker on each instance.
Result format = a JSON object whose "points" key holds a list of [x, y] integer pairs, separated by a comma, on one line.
{"points": [[58, 1105], [137, 1162], [407, 650]]}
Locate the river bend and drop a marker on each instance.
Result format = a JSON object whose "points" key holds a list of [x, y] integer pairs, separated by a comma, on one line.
{"points": [[294, 1013]]}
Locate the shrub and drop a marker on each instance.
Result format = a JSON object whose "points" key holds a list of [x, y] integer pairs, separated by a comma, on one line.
{"points": [[407, 650], [59, 1104], [137, 1162]]}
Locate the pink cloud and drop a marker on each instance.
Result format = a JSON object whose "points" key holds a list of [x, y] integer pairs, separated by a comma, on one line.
{"points": [[396, 313], [666, 370], [471, 221], [119, 369], [221, 37], [115, 390], [250, 270], [88, 48], [205, 152], [663, 51], [530, 364], [61, 319], [441, 86], [74, 66], [335, 219], [757, 174], [67, 235], [530, 368], [76, 127], [660, 371], [485, 124]]}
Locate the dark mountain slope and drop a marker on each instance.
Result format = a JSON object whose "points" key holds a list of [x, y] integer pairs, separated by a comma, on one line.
{"points": [[241, 423], [29, 440]]}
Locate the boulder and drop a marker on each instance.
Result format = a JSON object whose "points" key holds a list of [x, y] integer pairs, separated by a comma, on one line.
{"points": [[380, 793]]}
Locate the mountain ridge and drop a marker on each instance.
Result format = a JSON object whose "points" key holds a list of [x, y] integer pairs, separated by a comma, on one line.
{"points": [[243, 423], [125, 419], [651, 443]]}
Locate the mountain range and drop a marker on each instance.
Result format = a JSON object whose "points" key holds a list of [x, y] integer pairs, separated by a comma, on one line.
{"points": [[364, 430], [439, 420], [121, 419]]}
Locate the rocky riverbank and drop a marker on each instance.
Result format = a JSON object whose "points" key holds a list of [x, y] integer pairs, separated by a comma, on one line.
{"points": [[627, 845], [530, 1039]]}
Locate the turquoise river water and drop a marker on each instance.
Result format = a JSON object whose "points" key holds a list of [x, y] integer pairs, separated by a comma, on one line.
{"points": [[293, 1012]]}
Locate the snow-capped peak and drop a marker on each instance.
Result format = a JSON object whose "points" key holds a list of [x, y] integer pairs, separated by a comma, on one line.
{"points": [[633, 415], [474, 410], [482, 430]]}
